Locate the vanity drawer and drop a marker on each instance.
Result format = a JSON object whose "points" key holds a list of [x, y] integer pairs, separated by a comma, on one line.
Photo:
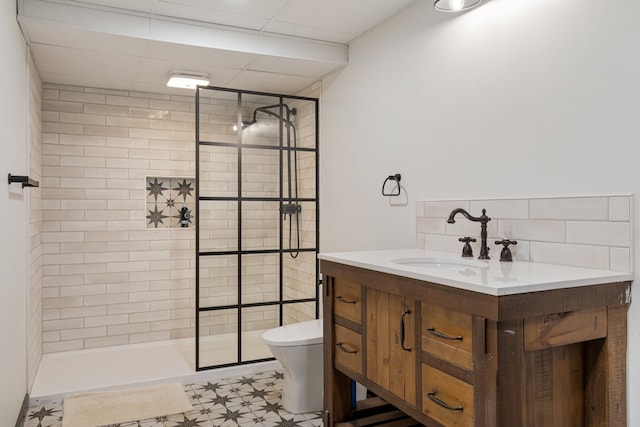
{"points": [[447, 335], [446, 399], [347, 300], [348, 348]]}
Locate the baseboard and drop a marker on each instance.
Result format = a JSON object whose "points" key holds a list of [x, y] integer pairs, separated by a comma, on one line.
{"points": [[23, 411]]}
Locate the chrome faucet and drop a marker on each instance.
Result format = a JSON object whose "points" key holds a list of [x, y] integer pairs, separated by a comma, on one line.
{"points": [[483, 220]]}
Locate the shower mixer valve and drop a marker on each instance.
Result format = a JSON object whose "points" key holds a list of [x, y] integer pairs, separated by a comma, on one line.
{"points": [[290, 209]]}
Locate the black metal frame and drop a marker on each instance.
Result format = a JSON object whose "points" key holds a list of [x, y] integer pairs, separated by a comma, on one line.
{"points": [[281, 302]]}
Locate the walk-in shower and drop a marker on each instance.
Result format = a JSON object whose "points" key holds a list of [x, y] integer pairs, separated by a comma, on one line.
{"points": [[256, 218]]}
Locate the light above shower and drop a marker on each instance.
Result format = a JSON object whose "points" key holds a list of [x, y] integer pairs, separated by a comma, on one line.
{"points": [[455, 5], [187, 79]]}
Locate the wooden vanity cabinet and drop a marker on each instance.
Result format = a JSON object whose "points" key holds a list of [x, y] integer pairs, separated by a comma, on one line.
{"points": [[450, 357]]}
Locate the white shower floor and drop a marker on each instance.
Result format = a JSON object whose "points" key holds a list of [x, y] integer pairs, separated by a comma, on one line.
{"points": [[112, 368]]}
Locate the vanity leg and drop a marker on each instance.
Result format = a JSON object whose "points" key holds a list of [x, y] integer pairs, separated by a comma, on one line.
{"points": [[512, 398], [485, 348], [606, 373]]}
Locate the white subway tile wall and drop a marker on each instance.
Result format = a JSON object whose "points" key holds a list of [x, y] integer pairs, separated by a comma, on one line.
{"points": [[593, 232], [106, 279]]}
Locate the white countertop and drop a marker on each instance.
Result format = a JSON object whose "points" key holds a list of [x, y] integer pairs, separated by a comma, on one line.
{"points": [[486, 276]]}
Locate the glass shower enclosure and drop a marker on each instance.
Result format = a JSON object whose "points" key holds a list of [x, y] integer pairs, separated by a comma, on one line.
{"points": [[256, 220]]}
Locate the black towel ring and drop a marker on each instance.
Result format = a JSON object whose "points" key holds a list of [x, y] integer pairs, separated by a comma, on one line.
{"points": [[396, 179]]}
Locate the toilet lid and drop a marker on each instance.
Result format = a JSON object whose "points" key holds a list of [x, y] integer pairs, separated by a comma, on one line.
{"points": [[302, 333]]}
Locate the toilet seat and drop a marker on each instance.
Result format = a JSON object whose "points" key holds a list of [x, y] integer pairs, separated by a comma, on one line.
{"points": [[295, 334]]}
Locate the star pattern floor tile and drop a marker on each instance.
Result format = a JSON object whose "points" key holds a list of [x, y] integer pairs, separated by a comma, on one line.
{"points": [[237, 401]]}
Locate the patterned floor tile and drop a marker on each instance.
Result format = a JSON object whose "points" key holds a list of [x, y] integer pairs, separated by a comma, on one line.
{"points": [[49, 415], [236, 401]]}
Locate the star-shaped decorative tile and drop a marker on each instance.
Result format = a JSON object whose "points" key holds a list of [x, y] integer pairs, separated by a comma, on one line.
{"points": [[183, 187], [155, 187], [157, 218]]}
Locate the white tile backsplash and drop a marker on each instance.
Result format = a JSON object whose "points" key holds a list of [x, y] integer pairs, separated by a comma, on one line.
{"points": [[442, 209], [430, 225], [593, 232], [514, 209], [619, 209], [576, 255], [541, 230], [599, 233], [621, 259], [586, 208]]}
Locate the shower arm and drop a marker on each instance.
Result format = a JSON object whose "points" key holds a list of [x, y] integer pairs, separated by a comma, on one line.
{"points": [[266, 110]]}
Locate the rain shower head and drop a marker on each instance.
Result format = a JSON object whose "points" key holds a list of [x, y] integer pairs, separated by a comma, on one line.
{"points": [[267, 110]]}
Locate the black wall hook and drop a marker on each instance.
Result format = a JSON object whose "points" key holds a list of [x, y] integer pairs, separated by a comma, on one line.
{"points": [[24, 180], [395, 178]]}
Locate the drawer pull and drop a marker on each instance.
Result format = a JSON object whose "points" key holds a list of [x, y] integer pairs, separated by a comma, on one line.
{"points": [[342, 348], [432, 397], [442, 335], [346, 301], [402, 331]]}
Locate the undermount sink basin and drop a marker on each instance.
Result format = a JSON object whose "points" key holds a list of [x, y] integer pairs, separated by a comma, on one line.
{"points": [[429, 262]]}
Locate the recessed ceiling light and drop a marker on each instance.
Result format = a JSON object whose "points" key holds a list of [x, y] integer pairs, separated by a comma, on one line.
{"points": [[187, 79], [455, 5]]}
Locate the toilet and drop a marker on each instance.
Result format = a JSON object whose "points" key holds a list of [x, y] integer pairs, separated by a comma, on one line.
{"points": [[298, 347]]}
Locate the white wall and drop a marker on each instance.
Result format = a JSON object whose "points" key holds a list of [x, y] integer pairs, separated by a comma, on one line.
{"points": [[518, 98], [13, 252]]}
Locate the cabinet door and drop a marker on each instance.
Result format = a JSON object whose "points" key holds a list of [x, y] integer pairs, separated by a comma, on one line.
{"points": [[390, 338]]}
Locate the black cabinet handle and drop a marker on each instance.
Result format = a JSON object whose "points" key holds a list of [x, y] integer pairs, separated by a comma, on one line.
{"points": [[432, 397], [442, 335], [342, 348], [402, 330], [346, 301]]}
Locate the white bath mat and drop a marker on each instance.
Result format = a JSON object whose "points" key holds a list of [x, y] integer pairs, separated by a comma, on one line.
{"points": [[112, 407]]}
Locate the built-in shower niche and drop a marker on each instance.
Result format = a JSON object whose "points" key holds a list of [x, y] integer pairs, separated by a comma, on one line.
{"points": [[166, 199]]}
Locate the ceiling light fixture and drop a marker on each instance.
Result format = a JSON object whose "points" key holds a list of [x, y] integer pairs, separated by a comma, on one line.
{"points": [[187, 79], [455, 5]]}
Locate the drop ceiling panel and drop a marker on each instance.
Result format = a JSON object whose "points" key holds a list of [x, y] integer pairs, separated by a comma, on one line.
{"points": [[86, 81], [55, 59], [347, 17], [198, 58], [292, 67], [243, 14], [205, 36], [265, 9], [270, 82], [73, 15], [313, 32], [136, 5], [45, 34]]}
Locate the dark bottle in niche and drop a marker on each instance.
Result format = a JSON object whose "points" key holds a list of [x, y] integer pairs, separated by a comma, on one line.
{"points": [[184, 216]]}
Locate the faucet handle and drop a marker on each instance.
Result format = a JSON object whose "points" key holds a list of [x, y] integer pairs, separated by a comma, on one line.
{"points": [[505, 254], [467, 251]]}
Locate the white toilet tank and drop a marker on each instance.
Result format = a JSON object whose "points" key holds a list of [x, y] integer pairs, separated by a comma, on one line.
{"points": [[303, 333]]}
